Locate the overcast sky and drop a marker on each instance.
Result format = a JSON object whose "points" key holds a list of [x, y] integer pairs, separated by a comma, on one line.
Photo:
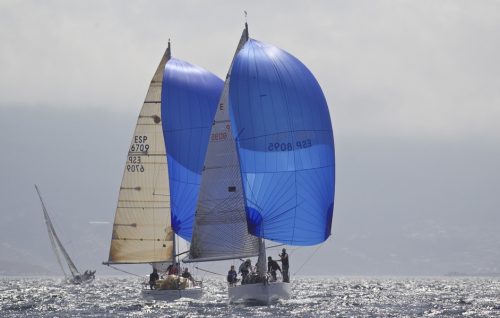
{"points": [[412, 86]]}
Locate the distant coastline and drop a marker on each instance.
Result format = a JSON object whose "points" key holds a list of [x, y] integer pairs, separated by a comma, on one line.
{"points": [[461, 274]]}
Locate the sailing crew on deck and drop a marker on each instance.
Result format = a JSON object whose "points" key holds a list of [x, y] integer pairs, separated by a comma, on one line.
{"points": [[173, 269], [232, 276], [153, 277], [87, 275], [272, 266], [245, 269], [77, 279], [169, 269], [187, 274], [285, 264]]}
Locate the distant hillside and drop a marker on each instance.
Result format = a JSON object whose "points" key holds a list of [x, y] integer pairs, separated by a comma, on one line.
{"points": [[15, 268]]}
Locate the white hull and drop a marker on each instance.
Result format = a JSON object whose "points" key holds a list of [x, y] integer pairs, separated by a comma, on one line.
{"points": [[80, 281], [260, 293], [172, 294]]}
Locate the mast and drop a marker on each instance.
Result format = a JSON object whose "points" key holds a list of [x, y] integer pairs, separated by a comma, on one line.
{"points": [[142, 230], [261, 261], [55, 242], [174, 260], [162, 173], [220, 227]]}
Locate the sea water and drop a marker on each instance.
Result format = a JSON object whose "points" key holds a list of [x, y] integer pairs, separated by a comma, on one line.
{"points": [[311, 297]]}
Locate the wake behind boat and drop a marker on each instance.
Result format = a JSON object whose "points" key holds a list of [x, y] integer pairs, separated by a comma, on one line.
{"points": [[58, 248]]}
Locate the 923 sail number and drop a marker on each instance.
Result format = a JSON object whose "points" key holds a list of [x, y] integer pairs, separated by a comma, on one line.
{"points": [[134, 164]]}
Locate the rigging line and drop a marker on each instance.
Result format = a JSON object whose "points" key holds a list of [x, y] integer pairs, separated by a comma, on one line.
{"points": [[277, 245], [182, 253], [308, 259], [204, 270], [123, 271]]}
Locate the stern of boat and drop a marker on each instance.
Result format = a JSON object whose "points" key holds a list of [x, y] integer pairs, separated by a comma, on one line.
{"points": [[259, 293]]}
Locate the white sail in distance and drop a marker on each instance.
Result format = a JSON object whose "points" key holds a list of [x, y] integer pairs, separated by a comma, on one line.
{"points": [[56, 244], [220, 227], [142, 231]]}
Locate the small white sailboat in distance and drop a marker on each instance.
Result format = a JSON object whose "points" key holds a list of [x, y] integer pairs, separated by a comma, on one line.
{"points": [[160, 182], [58, 248]]}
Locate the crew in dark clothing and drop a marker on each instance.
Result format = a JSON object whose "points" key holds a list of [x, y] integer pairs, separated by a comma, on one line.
{"points": [[232, 276], [153, 277], [245, 269], [187, 274], [88, 275], [285, 264], [173, 269], [272, 266]]}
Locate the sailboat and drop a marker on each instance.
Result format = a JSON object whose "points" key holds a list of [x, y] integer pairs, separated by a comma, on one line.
{"points": [[162, 174], [58, 248], [270, 168]]}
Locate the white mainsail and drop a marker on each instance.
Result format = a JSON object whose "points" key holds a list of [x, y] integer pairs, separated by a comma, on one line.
{"points": [[220, 227], [56, 244], [142, 231]]}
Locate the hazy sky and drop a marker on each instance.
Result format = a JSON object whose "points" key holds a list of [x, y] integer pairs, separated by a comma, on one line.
{"points": [[413, 89]]}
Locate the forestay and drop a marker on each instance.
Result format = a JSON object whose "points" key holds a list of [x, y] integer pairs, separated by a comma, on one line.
{"points": [[189, 100], [285, 144]]}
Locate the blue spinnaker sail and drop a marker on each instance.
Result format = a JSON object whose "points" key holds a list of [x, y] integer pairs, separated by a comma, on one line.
{"points": [[285, 145], [189, 100]]}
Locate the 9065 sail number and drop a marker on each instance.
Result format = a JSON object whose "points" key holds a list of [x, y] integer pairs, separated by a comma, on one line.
{"points": [[288, 146]]}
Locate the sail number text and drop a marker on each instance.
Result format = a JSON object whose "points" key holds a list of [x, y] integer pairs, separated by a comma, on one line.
{"points": [[138, 147], [288, 146], [135, 168], [140, 144]]}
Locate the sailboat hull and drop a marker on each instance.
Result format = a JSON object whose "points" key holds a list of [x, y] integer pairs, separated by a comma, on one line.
{"points": [[261, 293], [172, 294], [79, 281]]}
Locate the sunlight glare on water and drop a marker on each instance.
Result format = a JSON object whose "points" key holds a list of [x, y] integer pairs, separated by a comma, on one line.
{"points": [[311, 297]]}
